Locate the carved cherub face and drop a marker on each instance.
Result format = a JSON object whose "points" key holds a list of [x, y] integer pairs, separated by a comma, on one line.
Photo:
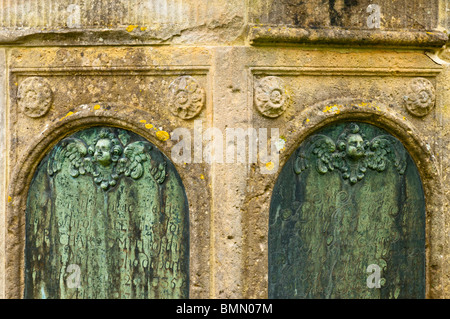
{"points": [[102, 153], [355, 146]]}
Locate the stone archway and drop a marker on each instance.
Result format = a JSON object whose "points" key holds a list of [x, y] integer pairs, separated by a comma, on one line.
{"points": [[310, 121], [114, 116]]}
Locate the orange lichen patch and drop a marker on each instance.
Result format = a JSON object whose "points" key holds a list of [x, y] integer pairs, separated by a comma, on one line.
{"points": [[67, 115], [372, 105], [131, 27], [280, 144], [162, 135], [333, 108], [336, 108]]}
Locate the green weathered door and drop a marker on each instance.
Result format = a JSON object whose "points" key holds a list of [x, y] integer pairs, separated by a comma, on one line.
{"points": [[107, 217], [347, 218]]}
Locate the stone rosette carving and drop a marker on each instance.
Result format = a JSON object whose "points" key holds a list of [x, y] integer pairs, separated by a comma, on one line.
{"points": [[186, 97], [270, 96], [420, 98], [351, 154], [35, 96]]}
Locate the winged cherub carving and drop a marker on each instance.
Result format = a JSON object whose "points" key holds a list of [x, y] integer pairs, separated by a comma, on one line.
{"points": [[106, 159], [352, 154]]}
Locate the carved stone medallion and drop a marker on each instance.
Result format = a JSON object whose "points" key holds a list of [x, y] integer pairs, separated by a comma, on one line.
{"points": [[186, 98], [270, 96], [420, 98], [34, 96]]}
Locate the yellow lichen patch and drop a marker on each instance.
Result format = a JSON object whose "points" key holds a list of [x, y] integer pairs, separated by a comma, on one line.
{"points": [[162, 135], [280, 144], [377, 107], [201, 176], [307, 120], [97, 107], [9, 199], [143, 28], [372, 105], [336, 108], [131, 27], [143, 121], [149, 126], [270, 166], [333, 109], [67, 115]]}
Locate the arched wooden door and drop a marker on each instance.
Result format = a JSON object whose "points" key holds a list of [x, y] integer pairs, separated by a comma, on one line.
{"points": [[347, 218], [106, 217]]}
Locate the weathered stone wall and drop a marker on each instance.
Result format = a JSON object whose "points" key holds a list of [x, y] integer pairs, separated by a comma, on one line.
{"points": [[116, 62], [352, 14]]}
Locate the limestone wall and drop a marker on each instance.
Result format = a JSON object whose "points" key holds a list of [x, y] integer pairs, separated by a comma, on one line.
{"points": [[71, 64]]}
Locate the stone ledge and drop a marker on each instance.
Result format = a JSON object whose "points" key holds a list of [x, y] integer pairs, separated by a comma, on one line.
{"points": [[35, 37], [287, 35], [258, 35]]}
